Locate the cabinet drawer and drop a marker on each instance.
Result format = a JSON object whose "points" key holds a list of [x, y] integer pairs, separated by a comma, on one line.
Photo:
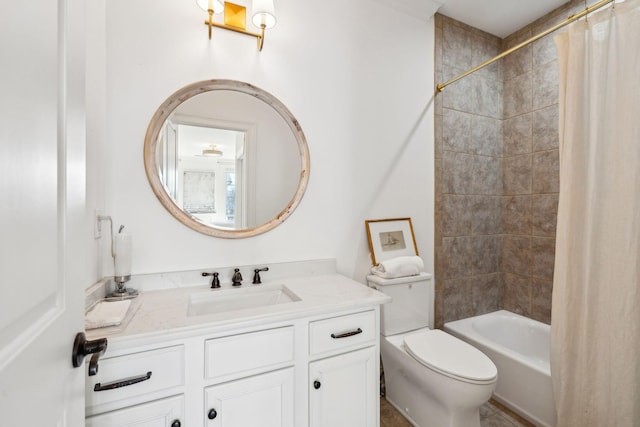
{"points": [[247, 354], [342, 332], [134, 375]]}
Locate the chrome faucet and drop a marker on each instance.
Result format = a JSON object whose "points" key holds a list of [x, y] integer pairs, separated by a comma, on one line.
{"points": [[237, 277]]}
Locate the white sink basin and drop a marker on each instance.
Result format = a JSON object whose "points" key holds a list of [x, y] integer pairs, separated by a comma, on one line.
{"points": [[217, 301]]}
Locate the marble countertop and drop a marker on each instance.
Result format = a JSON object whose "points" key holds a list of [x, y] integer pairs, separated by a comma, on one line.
{"points": [[160, 314]]}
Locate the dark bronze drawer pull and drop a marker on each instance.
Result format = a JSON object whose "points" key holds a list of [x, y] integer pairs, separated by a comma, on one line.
{"points": [[347, 334], [122, 383]]}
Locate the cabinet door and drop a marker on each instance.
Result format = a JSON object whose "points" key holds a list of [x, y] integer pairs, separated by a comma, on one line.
{"points": [[160, 413], [260, 401], [343, 390]]}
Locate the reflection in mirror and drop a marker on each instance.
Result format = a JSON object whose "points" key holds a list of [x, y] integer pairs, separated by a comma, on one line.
{"points": [[197, 165], [226, 158]]}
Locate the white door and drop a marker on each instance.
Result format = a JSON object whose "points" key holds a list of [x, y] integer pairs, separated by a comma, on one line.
{"points": [[42, 183], [343, 390]]}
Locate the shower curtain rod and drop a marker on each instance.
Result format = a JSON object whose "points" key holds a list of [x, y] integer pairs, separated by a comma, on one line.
{"points": [[567, 21]]}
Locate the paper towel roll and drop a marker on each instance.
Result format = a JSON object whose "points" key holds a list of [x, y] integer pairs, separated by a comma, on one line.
{"points": [[123, 255]]}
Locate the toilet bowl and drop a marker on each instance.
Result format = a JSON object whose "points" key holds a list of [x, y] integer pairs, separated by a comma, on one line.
{"points": [[434, 379], [433, 389]]}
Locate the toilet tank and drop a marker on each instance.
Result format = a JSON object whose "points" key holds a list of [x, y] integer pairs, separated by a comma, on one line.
{"points": [[411, 306]]}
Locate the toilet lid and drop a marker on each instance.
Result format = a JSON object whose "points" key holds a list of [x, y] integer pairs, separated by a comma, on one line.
{"points": [[450, 356]]}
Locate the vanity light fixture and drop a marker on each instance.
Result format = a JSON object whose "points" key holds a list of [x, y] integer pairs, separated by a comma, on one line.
{"points": [[235, 17]]}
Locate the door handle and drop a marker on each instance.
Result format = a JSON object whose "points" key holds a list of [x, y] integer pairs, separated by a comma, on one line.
{"points": [[83, 347]]}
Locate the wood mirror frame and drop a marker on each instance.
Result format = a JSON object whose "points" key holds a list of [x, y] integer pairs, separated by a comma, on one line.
{"points": [[151, 142]]}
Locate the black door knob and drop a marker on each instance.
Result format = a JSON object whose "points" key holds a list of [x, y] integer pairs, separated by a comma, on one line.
{"points": [[316, 384], [212, 414], [83, 347], [176, 423]]}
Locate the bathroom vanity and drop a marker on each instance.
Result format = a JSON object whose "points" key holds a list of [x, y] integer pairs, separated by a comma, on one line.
{"points": [[303, 353]]}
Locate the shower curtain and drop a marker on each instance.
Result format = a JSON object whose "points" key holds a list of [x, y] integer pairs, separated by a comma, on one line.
{"points": [[595, 323]]}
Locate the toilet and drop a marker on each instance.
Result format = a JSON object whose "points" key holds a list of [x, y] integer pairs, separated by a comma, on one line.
{"points": [[431, 377]]}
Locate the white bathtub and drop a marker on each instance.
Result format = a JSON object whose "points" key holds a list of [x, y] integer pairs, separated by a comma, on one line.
{"points": [[519, 347]]}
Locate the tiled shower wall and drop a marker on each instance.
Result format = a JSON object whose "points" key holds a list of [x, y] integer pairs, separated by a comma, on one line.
{"points": [[468, 174], [496, 171]]}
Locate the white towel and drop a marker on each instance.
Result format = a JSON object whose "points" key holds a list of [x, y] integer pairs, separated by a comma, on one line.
{"points": [[106, 313], [399, 267]]}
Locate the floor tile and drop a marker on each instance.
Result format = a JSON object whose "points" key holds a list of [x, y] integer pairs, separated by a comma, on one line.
{"points": [[492, 414], [390, 416]]}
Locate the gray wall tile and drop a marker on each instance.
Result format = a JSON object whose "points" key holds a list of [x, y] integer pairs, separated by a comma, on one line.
{"points": [[484, 49], [457, 298], [516, 254], [486, 215], [456, 46], [485, 252], [516, 215], [457, 173], [457, 130], [545, 128], [458, 95], [438, 130], [541, 300], [487, 175], [486, 96], [543, 257], [544, 214], [517, 135], [487, 293], [517, 174], [518, 93], [457, 257], [518, 63], [485, 136], [517, 293], [544, 50], [545, 172], [456, 215], [545, 85]]}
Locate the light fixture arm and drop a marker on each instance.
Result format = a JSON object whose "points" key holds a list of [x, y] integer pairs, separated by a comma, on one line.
{"points": [[261, 37], [209, 23]]}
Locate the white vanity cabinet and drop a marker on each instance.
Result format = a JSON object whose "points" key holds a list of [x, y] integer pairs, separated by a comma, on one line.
{"points": [[344, 386], [260, 374]]}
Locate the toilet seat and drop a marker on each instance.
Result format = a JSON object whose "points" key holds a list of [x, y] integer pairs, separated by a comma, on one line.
{"points": [[450, 356]]}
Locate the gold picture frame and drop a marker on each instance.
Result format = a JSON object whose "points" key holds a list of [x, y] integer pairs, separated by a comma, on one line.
{"points": [[390, 238]]}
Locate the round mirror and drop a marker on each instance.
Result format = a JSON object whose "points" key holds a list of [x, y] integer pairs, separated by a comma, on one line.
{"points": [[226, 158]]}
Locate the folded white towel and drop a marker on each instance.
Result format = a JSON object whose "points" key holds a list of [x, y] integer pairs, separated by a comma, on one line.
{"points": [[106, 313], [399, 267]]}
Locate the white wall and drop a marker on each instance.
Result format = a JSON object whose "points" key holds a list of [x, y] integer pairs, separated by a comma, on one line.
{"points": [[357, 75]]}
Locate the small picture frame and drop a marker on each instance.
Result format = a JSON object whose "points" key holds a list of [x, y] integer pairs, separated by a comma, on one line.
{"points": [[390, 238]]}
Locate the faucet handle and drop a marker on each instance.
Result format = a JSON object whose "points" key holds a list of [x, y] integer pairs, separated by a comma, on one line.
{"points": [[215, 281], [256, 275], [236, 280]]}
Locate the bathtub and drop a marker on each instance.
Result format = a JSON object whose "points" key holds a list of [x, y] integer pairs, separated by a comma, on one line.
{"points": [[519, 347]]}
